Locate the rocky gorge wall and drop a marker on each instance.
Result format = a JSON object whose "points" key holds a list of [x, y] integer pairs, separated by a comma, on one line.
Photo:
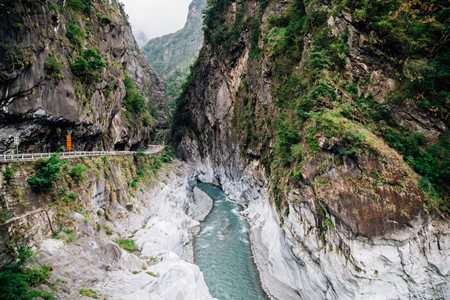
{"points": [[62, 71], [77, 228], [336, 211]]}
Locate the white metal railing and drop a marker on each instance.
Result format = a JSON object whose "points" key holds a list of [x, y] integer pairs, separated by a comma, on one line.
{"points": [[72, 154]]}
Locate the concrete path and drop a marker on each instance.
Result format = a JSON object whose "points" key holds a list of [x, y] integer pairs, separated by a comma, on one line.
{"points": [[6, 158]]}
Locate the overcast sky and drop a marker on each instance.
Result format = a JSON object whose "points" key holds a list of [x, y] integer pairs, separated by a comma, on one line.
{"points": [[153, 18]]}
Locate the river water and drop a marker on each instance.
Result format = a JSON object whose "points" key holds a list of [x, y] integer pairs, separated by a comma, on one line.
{"points": [[222, 251]]}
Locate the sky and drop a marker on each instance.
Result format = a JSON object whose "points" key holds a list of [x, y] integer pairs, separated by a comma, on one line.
{"points": [[153, 18]]}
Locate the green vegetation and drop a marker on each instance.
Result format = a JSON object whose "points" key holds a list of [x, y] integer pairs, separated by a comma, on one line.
{"points": [[84, 6], [54, 5], [103, 20], [66, 196], [21, 282], [75, 34], [329, 223], [126, 244], [139, 152], [413, 34], [47, 173], [137, 108], [77, 171], [153, 274], [88, 65], [217, 31], [89, 293], [134, 101], [182, 115], [108, 230], [431, 160], [68, 235], [4, 216], [53, 68], [19, 58], [8, 173], [173, 83], [150, 165]]}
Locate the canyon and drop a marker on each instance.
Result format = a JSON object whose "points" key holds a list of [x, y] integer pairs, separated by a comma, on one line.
{"points": [[326, 121]]}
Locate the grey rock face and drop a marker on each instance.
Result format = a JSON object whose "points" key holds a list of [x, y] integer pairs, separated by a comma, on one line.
{"points": [[41, 102], [202, 203]]}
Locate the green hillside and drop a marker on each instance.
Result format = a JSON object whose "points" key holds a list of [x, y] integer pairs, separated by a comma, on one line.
{"points": [[173, 54]]}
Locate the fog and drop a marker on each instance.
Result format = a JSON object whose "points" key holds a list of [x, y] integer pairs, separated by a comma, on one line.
{"points": [[153, 18]]}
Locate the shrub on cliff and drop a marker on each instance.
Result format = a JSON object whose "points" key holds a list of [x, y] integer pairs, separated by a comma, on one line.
{"points": [[47, 172], [89, 65], [84, 6], [20, 282], [127, 244], [75, 34], [134, 101], [53, 68], [78, 171], [8, 173]]}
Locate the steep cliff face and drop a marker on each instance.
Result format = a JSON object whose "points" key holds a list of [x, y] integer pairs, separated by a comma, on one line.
{"points": [[62, 70], [173, 54], [95, 207], [329, 120]]}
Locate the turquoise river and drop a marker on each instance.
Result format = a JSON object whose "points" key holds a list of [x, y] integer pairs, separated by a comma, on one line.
{"points": [[222, 251]]}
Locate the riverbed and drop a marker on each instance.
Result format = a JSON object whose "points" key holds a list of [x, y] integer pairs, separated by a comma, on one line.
{"points": [[222, 251]]}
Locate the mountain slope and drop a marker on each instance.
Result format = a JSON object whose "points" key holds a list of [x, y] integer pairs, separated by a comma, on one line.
{"points": [[328, 120], [173, 54], [63, 70], [88, 226]]}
